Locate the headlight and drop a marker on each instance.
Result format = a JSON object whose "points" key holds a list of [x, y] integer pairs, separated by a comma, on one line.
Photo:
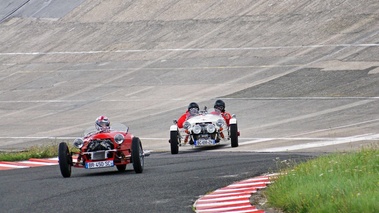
{"points": [[78, 143], [211, 128], [220, 122], [119, 138], [196, 129], [186, 125]]}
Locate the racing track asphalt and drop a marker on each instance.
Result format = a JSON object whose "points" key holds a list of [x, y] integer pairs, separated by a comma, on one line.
{"points": [[170, 183], [232, 198]]}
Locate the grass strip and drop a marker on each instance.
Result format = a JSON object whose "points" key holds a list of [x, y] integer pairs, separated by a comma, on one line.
{"points": [[340, 182], [42, 151]]}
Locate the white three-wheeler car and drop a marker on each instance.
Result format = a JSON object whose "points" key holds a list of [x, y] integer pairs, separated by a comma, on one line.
{"points": [[204, 129]]}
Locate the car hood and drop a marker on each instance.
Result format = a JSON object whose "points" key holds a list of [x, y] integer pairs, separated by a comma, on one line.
{"points": [[204, 118]]}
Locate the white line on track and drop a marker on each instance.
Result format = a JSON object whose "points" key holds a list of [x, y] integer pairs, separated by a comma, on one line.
{"points": [[305, 98], [176, 99], [188, 49], [337, 141], [260, 140]]}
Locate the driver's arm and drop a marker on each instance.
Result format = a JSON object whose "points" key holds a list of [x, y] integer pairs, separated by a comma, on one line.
{"points": [[181, 120], [227, 116]]}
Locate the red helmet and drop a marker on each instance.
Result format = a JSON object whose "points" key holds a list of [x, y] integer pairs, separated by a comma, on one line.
{"points": [[102, 123]]}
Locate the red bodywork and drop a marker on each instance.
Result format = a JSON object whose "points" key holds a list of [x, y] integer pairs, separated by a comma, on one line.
{"points": [[120, 154]]}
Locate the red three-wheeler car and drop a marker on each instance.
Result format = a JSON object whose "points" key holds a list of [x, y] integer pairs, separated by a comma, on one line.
{"points": [[98, 149]]}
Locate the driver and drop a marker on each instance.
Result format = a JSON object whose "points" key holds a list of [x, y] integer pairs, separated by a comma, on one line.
{"points": [[220, 106], [102, 124], [193, 109]]}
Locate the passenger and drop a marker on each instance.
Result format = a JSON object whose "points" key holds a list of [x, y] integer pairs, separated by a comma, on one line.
{"points": [[220, 106]]}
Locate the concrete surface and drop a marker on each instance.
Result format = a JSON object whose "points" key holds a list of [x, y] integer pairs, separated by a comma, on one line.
{"points": [[299, 74]]}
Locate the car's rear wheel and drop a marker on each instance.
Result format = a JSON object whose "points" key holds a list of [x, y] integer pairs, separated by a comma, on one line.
{"points": [[234, 135], [138, 158], [65, 160], [174, 142], [121, 168]]}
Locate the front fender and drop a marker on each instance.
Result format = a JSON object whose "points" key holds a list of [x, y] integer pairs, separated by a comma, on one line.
{"points": [[233, 121], [173, 128]]}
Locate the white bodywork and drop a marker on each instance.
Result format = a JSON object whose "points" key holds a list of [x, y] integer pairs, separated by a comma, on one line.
{"points": [[204, 129]]}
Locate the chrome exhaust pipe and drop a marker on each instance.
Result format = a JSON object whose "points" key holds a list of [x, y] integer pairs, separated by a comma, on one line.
{"points": [[146, 153]]}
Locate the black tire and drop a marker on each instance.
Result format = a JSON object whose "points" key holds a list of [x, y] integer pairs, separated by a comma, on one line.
{"points": [[174, 142], [65, 160], [234, 135], [121, 168], [138, 157]]}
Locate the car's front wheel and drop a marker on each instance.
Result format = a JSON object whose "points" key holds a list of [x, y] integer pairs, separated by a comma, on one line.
{"points": [[65, 160], [174, 142], [138, 157]]}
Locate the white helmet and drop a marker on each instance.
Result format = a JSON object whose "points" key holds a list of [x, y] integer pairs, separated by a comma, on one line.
{"points": [[102, 123]]}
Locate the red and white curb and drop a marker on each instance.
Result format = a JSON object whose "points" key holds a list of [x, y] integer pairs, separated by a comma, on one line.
{"points": [[33, 162], [234, 198]]}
